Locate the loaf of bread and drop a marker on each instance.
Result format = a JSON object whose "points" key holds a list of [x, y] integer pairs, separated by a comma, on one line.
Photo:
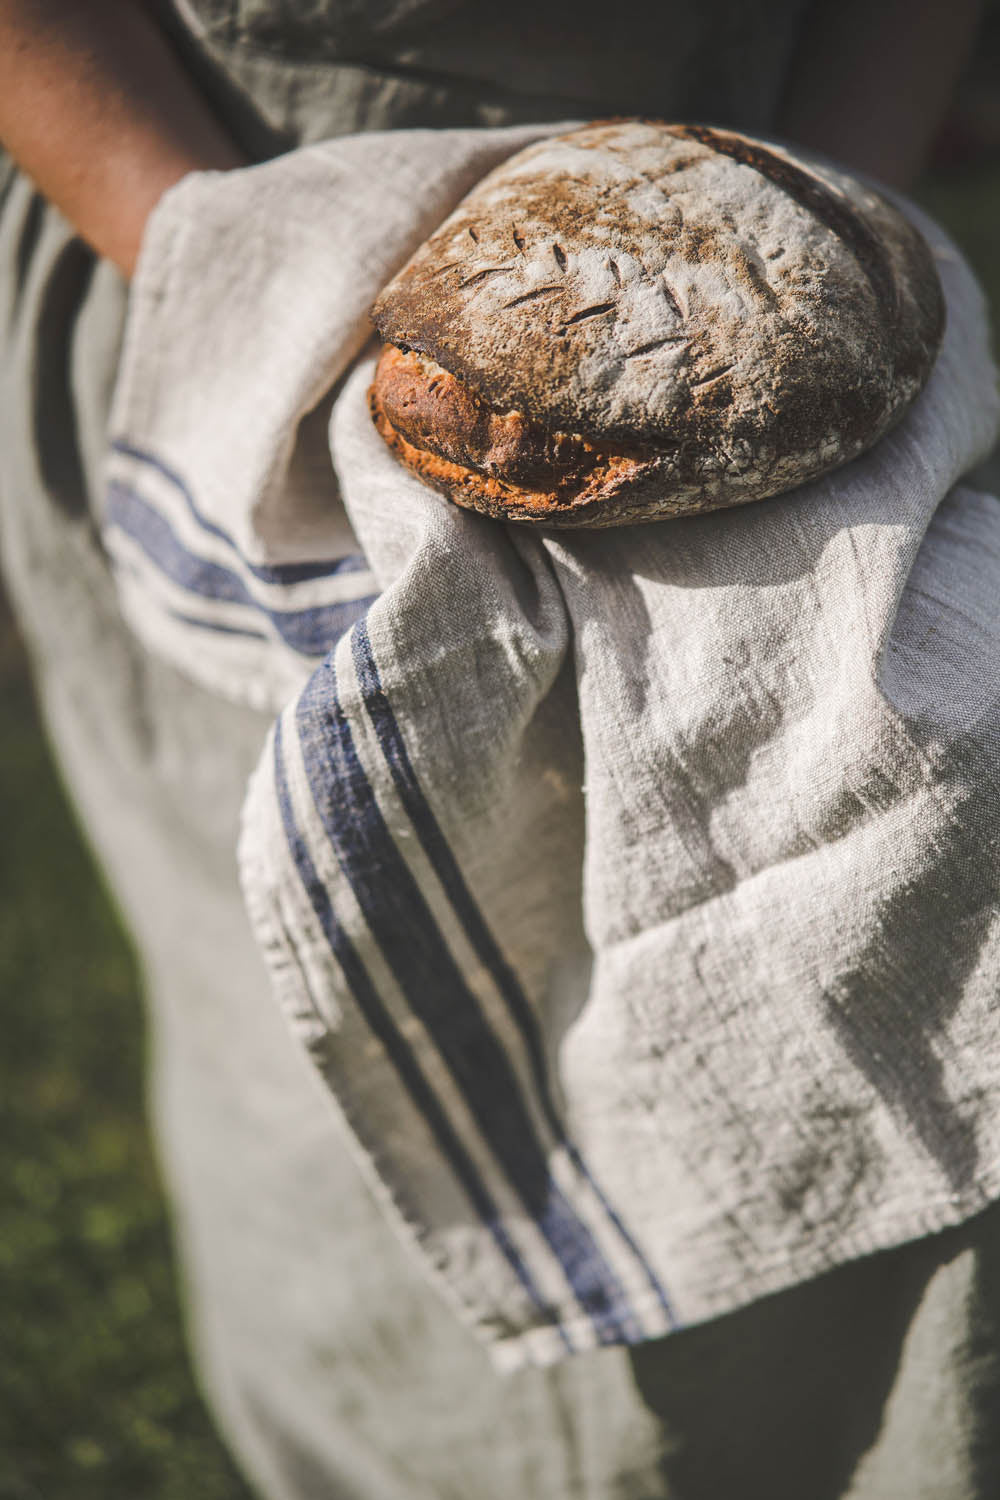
{"points": [[639, 320]]}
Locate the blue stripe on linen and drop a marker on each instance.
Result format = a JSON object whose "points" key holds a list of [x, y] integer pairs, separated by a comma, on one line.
{"points": [[312, 632], [280, 573], [404, 928], [217, 626], [482, 941], [406, 1065]]}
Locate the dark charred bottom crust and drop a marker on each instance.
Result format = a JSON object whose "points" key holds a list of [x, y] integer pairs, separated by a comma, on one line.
{"points": [[499, 463], [431, 409], [495, 462]]}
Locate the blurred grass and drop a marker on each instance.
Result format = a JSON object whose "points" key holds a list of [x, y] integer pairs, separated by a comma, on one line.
{"points": [[96, 1396]]}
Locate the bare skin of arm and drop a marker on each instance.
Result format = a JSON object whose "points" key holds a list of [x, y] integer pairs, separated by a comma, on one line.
{"points": [[99, 112], [872, 79]]}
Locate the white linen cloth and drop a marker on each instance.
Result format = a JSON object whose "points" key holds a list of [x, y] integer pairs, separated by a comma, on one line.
{"points": [[635, 892]]}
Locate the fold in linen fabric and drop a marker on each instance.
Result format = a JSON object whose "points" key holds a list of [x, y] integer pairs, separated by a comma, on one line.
{"points": [[635, 893], [233, 554]]}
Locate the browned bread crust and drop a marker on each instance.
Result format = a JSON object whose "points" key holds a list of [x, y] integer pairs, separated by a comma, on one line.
{"points": [[638, 320], [497, 463]]}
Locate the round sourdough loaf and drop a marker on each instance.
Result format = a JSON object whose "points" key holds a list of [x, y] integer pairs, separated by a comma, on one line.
{"points": [[638, 320]]}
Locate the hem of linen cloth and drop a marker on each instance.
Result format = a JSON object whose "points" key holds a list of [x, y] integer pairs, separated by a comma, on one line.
{"points": [[540, 1344], [528, 1349]]}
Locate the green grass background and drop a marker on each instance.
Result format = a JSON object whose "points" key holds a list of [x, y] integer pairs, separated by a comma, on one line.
{"points": [[96, 1395]]}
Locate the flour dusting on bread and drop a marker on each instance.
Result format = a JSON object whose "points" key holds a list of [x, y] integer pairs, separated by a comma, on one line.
{"points": [[713, 318]]}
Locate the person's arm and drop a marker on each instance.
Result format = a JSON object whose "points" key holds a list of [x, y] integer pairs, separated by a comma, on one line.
{"points": [[871, 80], [97, 109]]}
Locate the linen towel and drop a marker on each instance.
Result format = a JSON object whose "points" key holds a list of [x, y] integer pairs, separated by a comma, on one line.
{"points": [[635, 893]]}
